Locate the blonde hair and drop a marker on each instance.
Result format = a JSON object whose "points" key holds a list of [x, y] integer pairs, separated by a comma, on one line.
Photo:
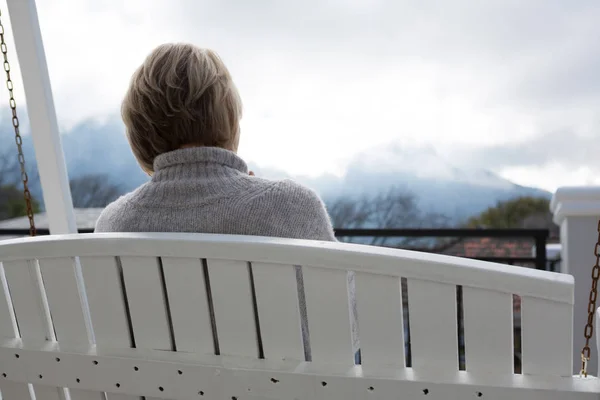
{"points": [[181, 95]]}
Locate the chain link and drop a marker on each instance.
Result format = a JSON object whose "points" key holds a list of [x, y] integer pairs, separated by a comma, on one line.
{"points": [[589, 327], [18, 138]]}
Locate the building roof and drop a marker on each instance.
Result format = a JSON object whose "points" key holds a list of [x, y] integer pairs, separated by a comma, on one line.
{"points": [[499, 247], [491, 247], [85, 218]]}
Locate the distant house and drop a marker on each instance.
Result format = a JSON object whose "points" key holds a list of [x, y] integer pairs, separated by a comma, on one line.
{"points": [[491, 247], [508, 248], [85, 218]]}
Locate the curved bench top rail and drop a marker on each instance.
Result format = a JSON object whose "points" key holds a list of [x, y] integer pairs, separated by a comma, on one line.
{"points": [[359, 258]]}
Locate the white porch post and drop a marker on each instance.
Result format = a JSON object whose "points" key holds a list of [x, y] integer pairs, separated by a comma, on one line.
{"points": [[42, 117], [577, 211]]}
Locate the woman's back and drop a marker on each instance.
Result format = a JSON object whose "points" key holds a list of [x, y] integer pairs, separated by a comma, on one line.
{"points": [[209, 190]]}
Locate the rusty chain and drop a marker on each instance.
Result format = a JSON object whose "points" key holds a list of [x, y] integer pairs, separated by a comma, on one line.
{"points": [[18, 138], [589, 327]]}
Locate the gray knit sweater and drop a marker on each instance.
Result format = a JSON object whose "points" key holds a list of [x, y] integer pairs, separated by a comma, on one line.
{"points": [[209, 190]]}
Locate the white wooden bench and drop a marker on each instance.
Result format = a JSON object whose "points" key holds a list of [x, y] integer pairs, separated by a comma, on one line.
{"points": [[131, 315]]}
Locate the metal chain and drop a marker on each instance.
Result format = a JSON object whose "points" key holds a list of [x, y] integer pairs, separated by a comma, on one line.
{"points": [[589, 327], [18, 138]]}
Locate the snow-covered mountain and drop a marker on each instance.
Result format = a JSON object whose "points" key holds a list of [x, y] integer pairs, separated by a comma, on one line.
{"points": [[458, 191], [440, 184], [414, 162]]}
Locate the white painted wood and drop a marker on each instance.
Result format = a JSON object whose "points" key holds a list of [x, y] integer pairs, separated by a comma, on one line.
{"points": [[7, 319], [547, 334], [186, 288], [147, 303], [234, 311], [433, 325], [379, 303], [102, 278], [8, 390], [340, 256], [328, 315], [597, 328], [225, 377], [66, 307], [547, 312], [276, 290], [42, 117], [488, 330], [14, 391], [28, 301], [64, 300], [576, 211], [30, 305], [47, 392]]}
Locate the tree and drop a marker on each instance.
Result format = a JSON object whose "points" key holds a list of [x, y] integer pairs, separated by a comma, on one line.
{"points": [[9, 169], [12, 203], [89, 191], [392, 209], [523, 212], [349, 213]]}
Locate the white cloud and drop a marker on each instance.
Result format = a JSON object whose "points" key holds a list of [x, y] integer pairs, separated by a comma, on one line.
{"points": [[322, 80], [552, 175]]}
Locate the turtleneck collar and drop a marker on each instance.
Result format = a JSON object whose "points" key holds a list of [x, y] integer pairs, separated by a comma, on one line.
{"points": [[197, 161]]}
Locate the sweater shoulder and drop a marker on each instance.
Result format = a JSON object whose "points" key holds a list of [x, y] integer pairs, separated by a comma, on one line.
{"points": [[114, 215], [294, 191], [299, 209]]}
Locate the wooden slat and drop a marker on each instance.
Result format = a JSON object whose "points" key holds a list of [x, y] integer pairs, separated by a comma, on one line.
{"points": [[50, 393], [186, 288], [8, 390], [23, 282], [597, 331], [102, 279], [433, 325], [15, 391], [23, 279], [66, 302], [7, 328], [278, 310], [547, 334], [328, 315], [108, 309], [379, 302], [147, 303], [233, 305], [488, 329], [60, 282]]}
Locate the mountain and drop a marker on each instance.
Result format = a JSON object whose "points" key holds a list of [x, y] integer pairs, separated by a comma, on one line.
{"points": [[441, 185]]}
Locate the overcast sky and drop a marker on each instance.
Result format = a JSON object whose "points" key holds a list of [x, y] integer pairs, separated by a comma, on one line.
{"points": [[509, 85]]}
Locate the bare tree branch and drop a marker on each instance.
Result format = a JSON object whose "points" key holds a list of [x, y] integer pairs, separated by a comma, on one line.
{"points": [[394, 208], [90, 191]]}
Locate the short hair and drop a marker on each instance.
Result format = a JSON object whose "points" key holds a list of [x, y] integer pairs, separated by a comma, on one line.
{"points": [[181, 95]]}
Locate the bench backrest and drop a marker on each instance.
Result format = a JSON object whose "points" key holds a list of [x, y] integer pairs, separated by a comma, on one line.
{"points": [[172, 291]]}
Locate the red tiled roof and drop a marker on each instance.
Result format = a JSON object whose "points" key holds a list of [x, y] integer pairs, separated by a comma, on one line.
{"points": [[490, 247]]}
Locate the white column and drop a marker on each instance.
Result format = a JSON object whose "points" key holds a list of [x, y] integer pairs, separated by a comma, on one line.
{"points": [[577, 211], [42, 117]]}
